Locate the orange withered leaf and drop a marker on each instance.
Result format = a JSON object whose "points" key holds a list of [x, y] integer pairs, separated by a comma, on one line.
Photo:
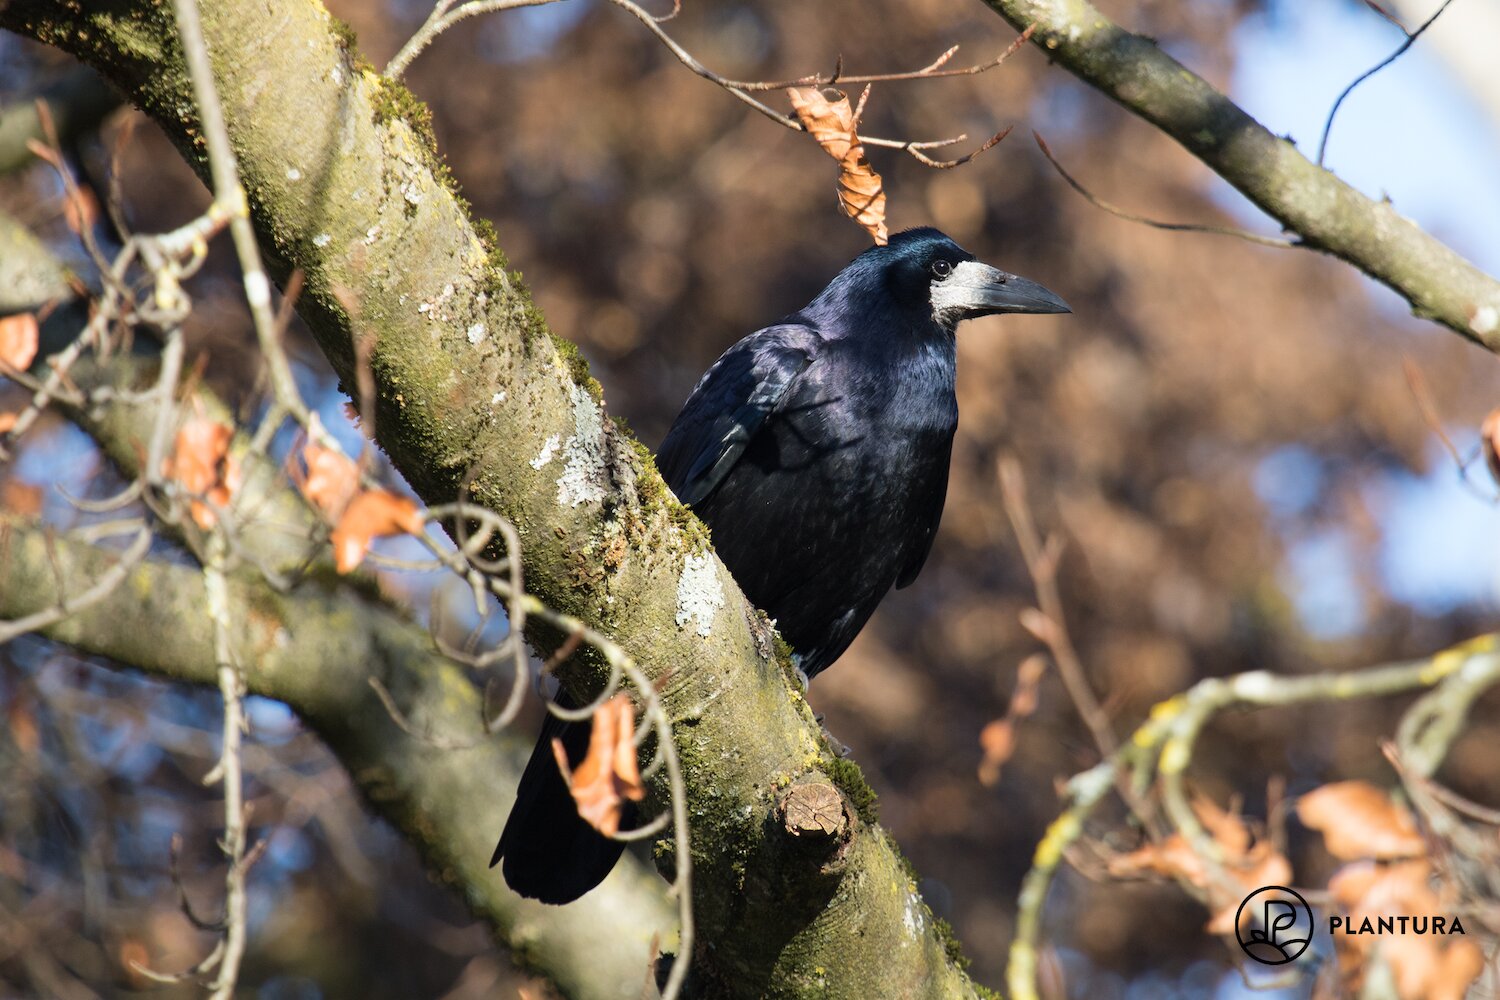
{"points": [[608, 774], [1426, 966], [81, 211], [831, 123], [201, 464], [371, 515], [331, 479], [1243, 864], [998, 739], [1358, 820], [18, 340]]}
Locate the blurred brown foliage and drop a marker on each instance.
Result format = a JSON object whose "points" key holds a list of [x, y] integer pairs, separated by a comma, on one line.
{"points": [[657, 221]]}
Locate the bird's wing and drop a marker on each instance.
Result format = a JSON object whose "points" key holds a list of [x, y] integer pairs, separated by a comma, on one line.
{"points": [[730, 405]]}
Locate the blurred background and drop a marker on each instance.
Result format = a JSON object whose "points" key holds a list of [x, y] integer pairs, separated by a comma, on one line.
{"points": [[1223, 433]]}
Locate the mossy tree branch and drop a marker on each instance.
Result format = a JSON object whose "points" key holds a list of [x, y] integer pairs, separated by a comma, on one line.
{"points": [[316, 650], [345, 184], [1324, 212]]}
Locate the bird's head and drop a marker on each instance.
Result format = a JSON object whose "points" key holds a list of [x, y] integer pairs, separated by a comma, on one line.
{"points": [[925, 270]]}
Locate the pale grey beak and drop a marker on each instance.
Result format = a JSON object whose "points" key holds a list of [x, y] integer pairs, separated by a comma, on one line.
{"points": [[975, 289]]}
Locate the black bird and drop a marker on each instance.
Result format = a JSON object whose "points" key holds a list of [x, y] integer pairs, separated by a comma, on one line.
{"points": [[817, 451]]}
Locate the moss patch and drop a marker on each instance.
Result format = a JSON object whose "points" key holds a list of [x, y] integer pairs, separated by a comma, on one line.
{"points": [[577, 366], [850, 780], [952, 947]]}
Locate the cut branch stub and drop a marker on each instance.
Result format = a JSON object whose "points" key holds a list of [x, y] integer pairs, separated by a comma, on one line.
{"points": [[813, 812]]}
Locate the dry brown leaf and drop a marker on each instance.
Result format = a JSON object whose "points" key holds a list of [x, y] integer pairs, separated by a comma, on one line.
{"points": [[1489, 436], [997, 739], [1457, 968], [1228, 829], [330, 482], [1263, 865], [1359, 820], [18, 340], [201, 464], [1425, 966], [7, 421], [81, 211], [22, 728], [371, 515], [608, 774], [1244, 865], [1172, 857], [831, 123], [20, 497]]}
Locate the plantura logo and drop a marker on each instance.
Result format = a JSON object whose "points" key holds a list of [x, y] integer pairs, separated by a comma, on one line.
{"points": [[1274, 925]]}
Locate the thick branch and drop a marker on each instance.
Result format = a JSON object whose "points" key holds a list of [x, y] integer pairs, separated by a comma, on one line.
{"points": [[345, 185], [316, 650], [1323, 211]]}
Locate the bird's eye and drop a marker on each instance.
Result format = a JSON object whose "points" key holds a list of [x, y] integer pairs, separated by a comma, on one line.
{"points": [[941, 268]]}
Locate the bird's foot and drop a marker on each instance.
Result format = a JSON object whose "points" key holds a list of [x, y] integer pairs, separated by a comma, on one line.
{"points": [[838, 748]]}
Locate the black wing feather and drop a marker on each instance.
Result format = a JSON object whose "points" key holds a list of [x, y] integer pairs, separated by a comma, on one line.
{"points": [[729, 406]]}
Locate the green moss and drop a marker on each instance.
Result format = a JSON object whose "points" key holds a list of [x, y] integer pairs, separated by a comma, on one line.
{"points": [[851, 781], [503, 285], [393, 102], [348, 41], [577, 366], [985, 993], [952, 947]]}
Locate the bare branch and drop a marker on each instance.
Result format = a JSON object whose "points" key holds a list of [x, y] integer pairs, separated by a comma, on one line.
{"points": [[1325, 213]]}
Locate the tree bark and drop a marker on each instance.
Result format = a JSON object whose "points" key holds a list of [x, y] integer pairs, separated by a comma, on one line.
{"points": [[345, 184]]}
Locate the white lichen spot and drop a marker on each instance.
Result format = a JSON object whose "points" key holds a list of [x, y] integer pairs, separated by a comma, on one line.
{"points": [[699, 594], [336, 74], [412, 192], [549, 448], [293, 174], [424, 308], [585, 474], [497, 398], [1485, 319], [912, 919], [322, 240], [476, 333], [371, 235]]}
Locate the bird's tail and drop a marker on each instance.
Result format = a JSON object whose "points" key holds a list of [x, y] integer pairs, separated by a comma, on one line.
{"points": [[550, 852]]}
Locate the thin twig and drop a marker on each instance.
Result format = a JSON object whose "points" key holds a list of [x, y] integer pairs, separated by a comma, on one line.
{"points": [[229, 199], [1411, 39], [1176, 227], [229, 771], [442, 18], [1041, 563]]}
